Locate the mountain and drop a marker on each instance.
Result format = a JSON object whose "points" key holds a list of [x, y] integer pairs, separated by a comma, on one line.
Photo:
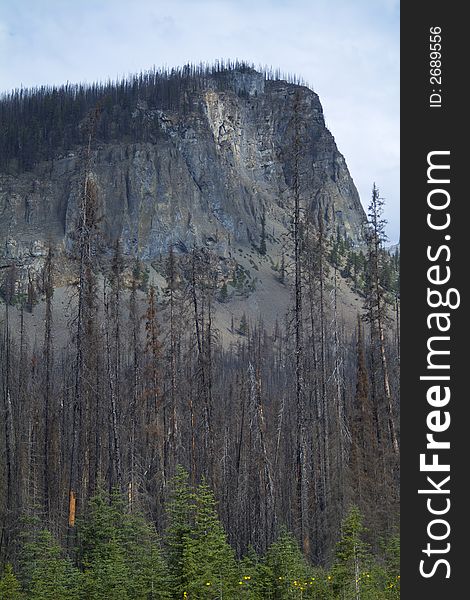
{"points": [[202, 157], [184, 262]]}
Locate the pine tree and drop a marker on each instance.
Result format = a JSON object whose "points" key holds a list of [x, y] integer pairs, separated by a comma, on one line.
{"points": [[291, 574], [180, 514], [223, 294], [148, 573], [120, 553], [376, 303], [243, 327], [50, 441], [282, 269], [106, 574], [113, 355], [201, 562], [83, 458], [175, 300], [255, 578], [392, 566], [10, 588], [298, 239], [155, 411], [209, 567], [364, 459], [45, 573], [262, 245], [134, 351], [31, 296], [351, 570]]}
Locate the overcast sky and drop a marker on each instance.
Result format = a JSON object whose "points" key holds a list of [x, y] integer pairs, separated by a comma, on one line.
{"points": [[348, 51]]}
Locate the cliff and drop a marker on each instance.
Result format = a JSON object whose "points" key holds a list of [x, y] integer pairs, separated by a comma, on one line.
{"points": [[185, 161], [204, 174]]}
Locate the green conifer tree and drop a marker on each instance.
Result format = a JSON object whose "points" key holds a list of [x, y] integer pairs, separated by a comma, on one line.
{"points": [[180, 514], [10, 588], [255, 577], [351, 572], [262, 245], [148, 573], [392, 567], [291, 575], [102, 554], [209, 566], [46, 574], [243, 328], [202, 564], [223, 294], [120, 553]]}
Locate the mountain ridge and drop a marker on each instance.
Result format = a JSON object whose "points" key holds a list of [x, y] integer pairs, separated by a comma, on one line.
{"points": [[245, 132], [204, 160]]}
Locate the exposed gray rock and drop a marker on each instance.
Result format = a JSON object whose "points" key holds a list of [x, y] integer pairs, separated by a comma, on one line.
{"points": [[204, 178]]}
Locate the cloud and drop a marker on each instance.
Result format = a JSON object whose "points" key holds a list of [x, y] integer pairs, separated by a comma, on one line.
{"points": [[348, 51]]}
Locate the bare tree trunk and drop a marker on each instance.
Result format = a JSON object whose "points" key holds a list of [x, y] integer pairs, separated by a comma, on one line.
{"points": [[342, 431], [48, 360], [302, 484], [85, 325], [377, 235], [114, 423], [324, 441], [174, 429], [259, 431], [134, 323]]}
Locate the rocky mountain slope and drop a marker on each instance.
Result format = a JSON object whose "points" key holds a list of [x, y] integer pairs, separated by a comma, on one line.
{"points": [[182, 262], [213, 168]]}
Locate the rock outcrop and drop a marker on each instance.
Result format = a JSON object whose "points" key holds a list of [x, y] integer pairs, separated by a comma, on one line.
{"points": [[203, 177]]}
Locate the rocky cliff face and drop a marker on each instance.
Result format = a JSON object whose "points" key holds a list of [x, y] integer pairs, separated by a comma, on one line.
{"points": [[203, 177]]}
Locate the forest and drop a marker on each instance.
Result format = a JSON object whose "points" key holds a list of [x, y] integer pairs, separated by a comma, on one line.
{"points": [[119, 555], [145, 457]]}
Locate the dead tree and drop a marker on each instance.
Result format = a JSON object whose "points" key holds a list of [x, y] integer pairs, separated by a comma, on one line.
{"points": [[297, 236], [85, 331], [9, 433], [50, 448], [377, 306]]}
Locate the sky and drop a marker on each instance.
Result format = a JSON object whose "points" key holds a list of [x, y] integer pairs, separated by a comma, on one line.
{"points": [[347, 50]]}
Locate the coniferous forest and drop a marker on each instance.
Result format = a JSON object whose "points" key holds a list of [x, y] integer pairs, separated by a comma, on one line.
{"points": [[145, 457]]}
